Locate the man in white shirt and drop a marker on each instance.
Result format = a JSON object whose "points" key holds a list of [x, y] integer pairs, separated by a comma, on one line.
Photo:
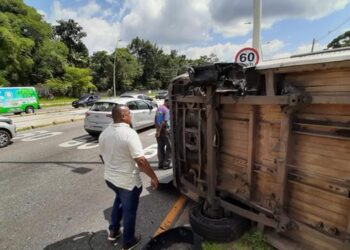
{"points": [[122, 153]]}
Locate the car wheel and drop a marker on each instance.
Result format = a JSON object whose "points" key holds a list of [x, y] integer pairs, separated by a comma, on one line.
{"points": [[94, 134], [4, 138], [29, 110], [224, 229]]}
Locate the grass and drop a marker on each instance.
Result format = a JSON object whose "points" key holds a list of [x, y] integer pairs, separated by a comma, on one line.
{"points": [[57, 101], [253, 240]]}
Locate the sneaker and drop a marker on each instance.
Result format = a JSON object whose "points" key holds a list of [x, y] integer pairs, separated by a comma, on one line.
{"points": [[167, 167], [114, 235], [133, 244]]}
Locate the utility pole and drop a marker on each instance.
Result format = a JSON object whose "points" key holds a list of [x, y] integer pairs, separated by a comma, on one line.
{"points": [[115, 58], [256, 25], [313, 45]]}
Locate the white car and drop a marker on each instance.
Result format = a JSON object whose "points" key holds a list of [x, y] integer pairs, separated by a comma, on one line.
{"points": [[7, 131], [100, 114]]}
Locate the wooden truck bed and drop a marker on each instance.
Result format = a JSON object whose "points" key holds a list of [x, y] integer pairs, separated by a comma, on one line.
{"points": [[279, 156]]}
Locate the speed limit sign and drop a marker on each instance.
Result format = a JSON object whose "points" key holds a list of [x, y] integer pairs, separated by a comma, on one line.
{"points": [[249, 57]]}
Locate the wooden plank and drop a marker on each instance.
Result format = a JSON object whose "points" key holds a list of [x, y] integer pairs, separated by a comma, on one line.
{"points": [[310, 219], [304, 207], [190, 99], [331, 143], [255, 100], [331, 197], [336, 99], [248, 214], [211, 150], [322, 161], [270, 83], [283, 157], [343, 65], [314, 239], [251, 148]]}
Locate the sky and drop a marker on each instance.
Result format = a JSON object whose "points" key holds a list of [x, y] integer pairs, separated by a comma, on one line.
{"points": [[202, 27]]}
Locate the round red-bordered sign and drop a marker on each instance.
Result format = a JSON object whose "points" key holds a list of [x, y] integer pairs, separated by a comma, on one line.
{"points": [[247, 56]]}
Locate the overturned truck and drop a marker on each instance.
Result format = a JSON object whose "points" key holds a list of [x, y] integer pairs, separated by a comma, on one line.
{"points": [[268, 145]]}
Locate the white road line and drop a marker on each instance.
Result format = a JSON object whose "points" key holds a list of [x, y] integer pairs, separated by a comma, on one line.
{"points": [[152, 133]]}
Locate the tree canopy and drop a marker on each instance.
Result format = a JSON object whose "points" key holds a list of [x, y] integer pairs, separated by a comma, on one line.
{"points": [[340, 41], [33, 52]]}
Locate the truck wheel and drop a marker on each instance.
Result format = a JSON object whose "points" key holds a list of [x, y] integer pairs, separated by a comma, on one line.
{"points": [[29, 110], [4, 138], [224, 229]]}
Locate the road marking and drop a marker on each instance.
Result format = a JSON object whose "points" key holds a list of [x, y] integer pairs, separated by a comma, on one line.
{"points": [[41, 136], [172, 215], [152, 133], [151, 151], [29, 134], [89, 145]]}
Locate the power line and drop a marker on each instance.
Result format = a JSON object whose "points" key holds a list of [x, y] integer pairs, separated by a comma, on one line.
{"points": [[331, 31]]}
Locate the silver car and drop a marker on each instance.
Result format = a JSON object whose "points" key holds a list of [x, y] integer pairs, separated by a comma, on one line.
{"points": [[100, 114], [7, 131]]}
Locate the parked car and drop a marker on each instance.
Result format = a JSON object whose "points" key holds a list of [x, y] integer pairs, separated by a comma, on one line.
{"points": [[100, 114], [85, 101], [136, 95], [162, 94], [7, 131]]}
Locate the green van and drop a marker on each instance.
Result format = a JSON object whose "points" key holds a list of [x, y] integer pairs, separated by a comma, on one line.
{"points": [[18, 99]]}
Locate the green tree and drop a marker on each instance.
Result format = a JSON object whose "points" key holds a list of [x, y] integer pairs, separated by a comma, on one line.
{"points": [[71, 34], [101, 64], [128, 70], [148, 55], [74, 82], [23, 34], [342, 40]]}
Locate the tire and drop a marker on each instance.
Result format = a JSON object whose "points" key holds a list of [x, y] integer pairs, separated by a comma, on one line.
{"points": [[5, 138], [94, 134], [29, 110], [223, 230]]}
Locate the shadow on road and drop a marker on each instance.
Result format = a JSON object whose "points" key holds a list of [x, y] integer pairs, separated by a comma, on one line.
{"points": [[98, 240]]}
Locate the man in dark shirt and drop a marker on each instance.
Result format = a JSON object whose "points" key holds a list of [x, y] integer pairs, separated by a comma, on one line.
{"points": [[162, 123]]}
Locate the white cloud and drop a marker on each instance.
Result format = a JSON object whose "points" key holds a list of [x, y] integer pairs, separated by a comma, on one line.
{"points": [[111, 1], [101, 34], [167, 21], [225, 52], [229, 16]]}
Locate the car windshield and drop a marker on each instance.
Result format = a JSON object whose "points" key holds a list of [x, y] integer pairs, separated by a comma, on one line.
{"points": [[83, 97], [103, 106], [127, 96]]}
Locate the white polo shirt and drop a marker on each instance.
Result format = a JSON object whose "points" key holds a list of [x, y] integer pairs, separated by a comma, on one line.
{"points": [[119, 145]]}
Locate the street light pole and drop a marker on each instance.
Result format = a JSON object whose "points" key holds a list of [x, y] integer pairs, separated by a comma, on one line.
{"points": [[115, 58], [256, 24]]}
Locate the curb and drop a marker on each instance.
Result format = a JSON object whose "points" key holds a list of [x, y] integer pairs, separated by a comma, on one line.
{"points": [[48, 112], [49, 124]]}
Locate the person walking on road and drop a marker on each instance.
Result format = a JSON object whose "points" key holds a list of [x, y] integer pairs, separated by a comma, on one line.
{"points": [[120, 149], [162, 123]]}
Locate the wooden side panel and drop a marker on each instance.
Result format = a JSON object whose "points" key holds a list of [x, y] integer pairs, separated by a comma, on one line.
{"points": [[314, 240], [327, 82], [319, 177]]}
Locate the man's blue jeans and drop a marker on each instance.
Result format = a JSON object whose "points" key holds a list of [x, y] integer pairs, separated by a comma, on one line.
{"points": [[125, 206]]}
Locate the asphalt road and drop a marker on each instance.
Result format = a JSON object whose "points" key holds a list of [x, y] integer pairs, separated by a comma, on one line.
{"points": [[53, 195]]}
